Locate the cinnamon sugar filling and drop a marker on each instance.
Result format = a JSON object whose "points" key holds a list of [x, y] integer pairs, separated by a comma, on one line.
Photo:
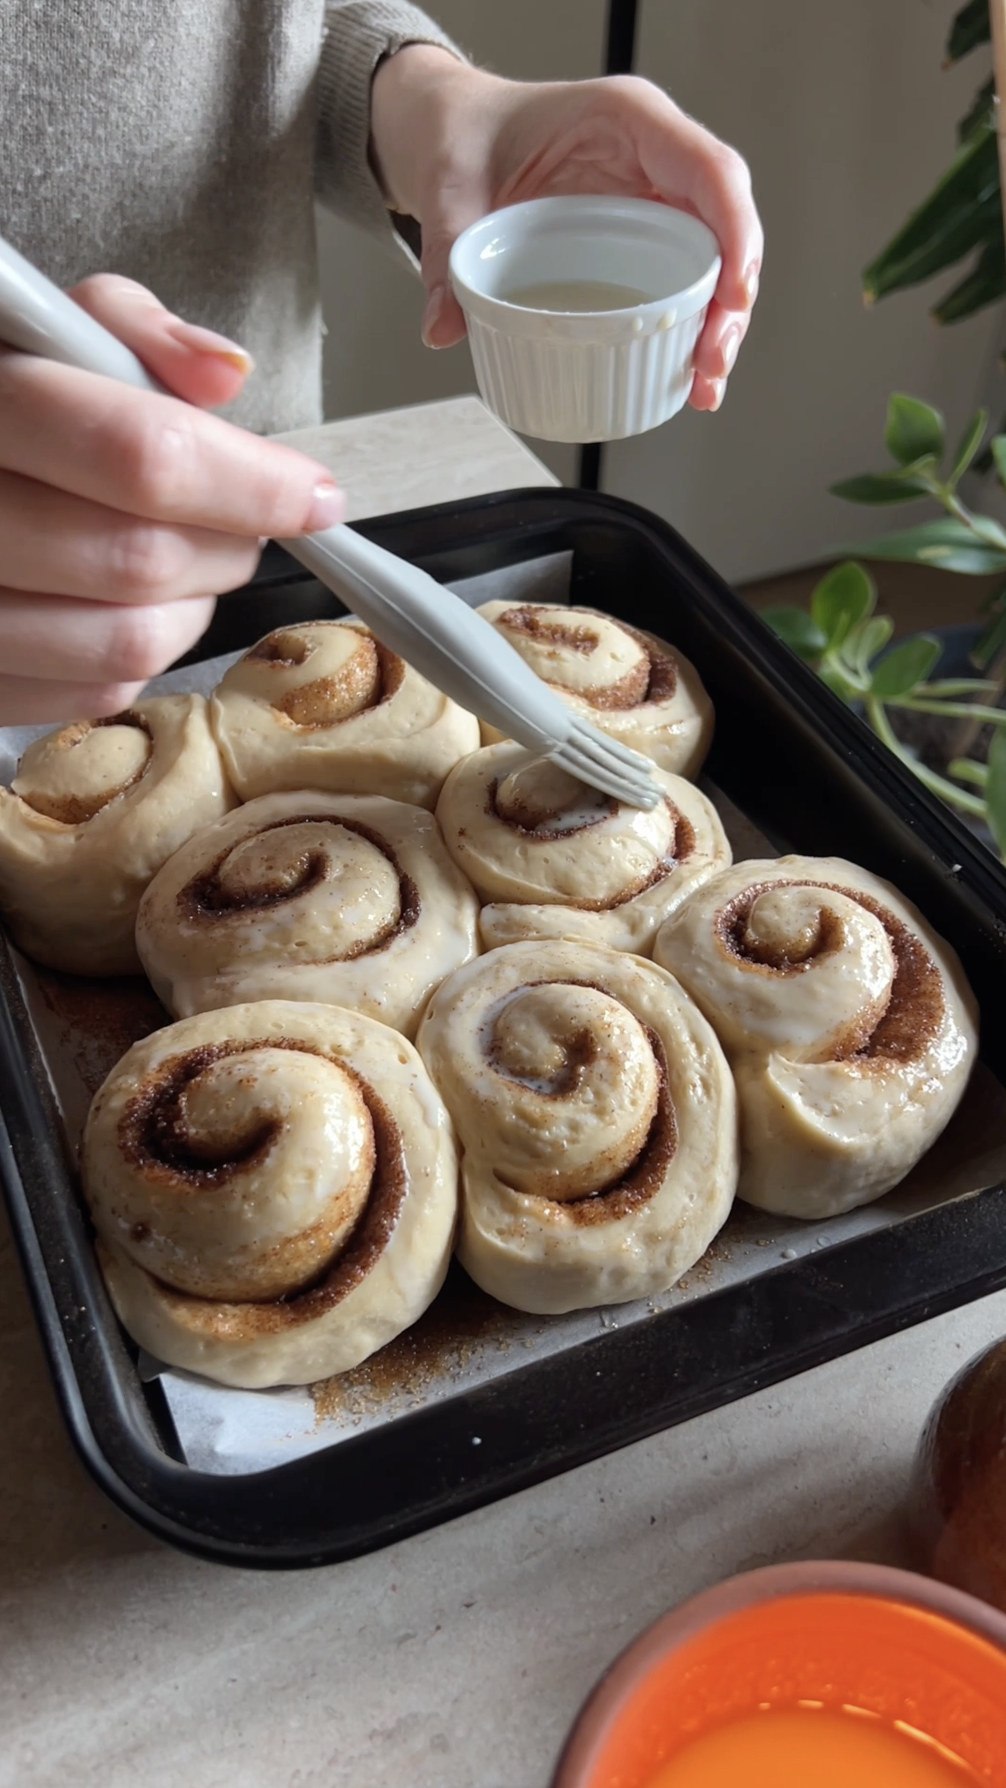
{"points": [[370, 676], [636, 1184], [75, 810], [683, 848], [654, 679], [204, 899], [609, 1204], [154, 1139], [915, 1010]]}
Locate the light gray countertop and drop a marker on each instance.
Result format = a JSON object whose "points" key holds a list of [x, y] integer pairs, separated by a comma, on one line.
{"points": [[456, 1659]]}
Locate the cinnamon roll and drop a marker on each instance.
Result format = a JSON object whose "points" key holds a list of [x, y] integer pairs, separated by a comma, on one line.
{"points": [[322, 704], [274, 1190], [553, 858], [628, 683], [597, 1121], [91, 815], [848, 1023], [347, 899]]}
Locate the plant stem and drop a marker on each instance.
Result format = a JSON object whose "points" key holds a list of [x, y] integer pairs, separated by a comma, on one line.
{"points": [[966, 770], [951, 710], [938, 785], [958, 686], [953, 505]]}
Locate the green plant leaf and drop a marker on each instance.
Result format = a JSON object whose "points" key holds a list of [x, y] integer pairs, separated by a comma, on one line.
{"points": [[797, 629], [866, 640], [984, 285], [995, 791], [970, 27], [979, 112], [885, 487], [958, 215], [946, 543], [964, 181], [993, 640], [906, 665], [842, 599], [914, 429], [970, 226], [986, 459], [988, 531], [997, 448], [968, 445]]}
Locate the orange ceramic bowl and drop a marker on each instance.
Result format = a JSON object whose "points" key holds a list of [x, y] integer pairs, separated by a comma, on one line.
{"points": [[885, 1641]]}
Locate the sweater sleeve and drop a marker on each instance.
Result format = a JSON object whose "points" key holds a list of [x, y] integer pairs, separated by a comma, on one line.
{"points": [[358, 35]]}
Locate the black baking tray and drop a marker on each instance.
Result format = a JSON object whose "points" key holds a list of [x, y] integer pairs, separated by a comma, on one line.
{"points": [[812, 776]]}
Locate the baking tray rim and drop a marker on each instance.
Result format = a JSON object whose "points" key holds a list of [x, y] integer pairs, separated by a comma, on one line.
{"points": [[795, 1315]]}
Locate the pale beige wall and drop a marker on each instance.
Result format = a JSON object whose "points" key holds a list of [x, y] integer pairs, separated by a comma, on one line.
{"points": [[844, 116], [374, 358]]}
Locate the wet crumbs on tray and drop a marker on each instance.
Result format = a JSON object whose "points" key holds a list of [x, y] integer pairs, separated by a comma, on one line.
{"points": [[459, 1324], [99, 1020]]}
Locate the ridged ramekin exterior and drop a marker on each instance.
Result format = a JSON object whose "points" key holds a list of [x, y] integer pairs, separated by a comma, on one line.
{"points": [[566, 390]]}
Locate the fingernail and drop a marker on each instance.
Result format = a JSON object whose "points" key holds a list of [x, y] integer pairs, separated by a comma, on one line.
{"points": [[730, 346], [207, 341], [328, 506], [751, 282], [431, 315], [718, 389]]}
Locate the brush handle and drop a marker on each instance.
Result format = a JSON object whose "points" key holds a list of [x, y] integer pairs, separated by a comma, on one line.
{"points": [[439, 635], [412, 614], [38, 318]]}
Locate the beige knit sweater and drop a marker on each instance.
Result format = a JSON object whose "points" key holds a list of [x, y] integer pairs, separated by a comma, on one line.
{"points": [[181, 142]]}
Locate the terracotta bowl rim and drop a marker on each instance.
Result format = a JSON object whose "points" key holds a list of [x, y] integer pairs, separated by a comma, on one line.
{"points": [[769, 1583]]}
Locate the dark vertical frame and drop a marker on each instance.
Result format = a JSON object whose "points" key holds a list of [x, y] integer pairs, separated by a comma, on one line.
{"points": [[619, 55]]}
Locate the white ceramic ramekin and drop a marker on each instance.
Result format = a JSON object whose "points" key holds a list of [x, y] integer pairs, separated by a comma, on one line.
{"points": [[585, 376]]}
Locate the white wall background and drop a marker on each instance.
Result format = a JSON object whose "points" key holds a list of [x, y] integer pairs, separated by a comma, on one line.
{"points": [[845, 117]]}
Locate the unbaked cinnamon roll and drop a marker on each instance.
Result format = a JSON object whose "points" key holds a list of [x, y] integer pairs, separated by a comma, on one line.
{"points": [[91, 815], [322, 704], [274, 1190], [348, 899], [552, 858], [628, 683], [597, 1121], [848, 1023]]}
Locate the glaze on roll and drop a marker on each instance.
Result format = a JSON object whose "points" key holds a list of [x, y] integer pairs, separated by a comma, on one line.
{"points": [[553, 858], [322, 704], [93, 812], [274, 1189], [348, 899], [597, 1121], [629, 683], [848, 1023]]}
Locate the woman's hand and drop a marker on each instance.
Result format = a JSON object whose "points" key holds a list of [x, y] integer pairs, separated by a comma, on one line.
{"points": [[451, 143], [124, 513]]}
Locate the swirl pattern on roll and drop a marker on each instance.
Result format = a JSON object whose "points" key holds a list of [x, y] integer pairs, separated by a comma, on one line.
{"points": [[274, 1190], [91, 815], [629, 683], [347, 899], [322, 704], [597, 1122], [848, 1023], [552, 858]]}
